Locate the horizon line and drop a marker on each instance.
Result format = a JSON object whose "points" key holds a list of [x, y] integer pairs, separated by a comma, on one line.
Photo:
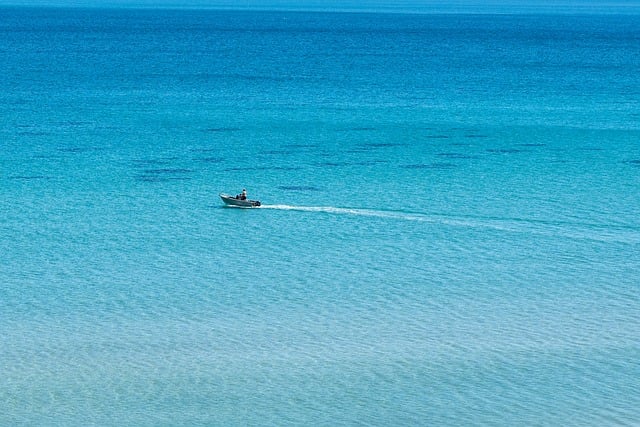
{"points": [[496, 9]]}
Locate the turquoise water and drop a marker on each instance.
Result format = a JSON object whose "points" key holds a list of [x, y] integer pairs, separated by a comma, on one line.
{"points": [[449, 234]]}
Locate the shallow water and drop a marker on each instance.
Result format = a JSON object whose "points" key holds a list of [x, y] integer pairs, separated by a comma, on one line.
{"points": [[449, 232]]}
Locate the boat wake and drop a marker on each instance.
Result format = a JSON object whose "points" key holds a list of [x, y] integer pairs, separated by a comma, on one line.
{"points": [[394, 214], [572, 230], [350, 211]]}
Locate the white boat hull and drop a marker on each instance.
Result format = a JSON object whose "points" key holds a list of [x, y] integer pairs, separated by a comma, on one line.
{"points": [[232, 201]]}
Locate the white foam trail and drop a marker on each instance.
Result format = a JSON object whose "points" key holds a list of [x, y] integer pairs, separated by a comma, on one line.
{"points": [[406, 216], [352, 211], [574, 231]]}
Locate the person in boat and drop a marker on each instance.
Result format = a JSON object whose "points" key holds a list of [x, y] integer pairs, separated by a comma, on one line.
{"points": [[243, 195]]}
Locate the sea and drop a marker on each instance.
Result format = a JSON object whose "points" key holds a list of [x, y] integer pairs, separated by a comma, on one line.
{"points": [[449, 232]]}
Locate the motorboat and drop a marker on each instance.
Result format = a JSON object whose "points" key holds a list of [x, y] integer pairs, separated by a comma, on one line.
{"points": [[238, 201]]}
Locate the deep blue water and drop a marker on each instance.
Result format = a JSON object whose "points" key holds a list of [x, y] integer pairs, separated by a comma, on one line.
{"points": [[450, 229]]}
